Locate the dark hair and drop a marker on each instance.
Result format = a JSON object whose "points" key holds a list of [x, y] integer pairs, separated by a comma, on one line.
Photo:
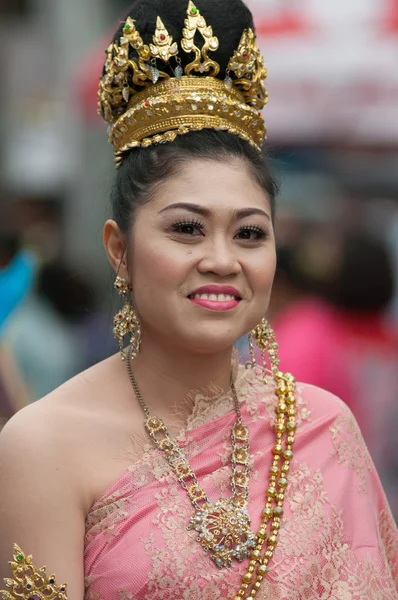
{"points": [[366, 281], [144, 169]]}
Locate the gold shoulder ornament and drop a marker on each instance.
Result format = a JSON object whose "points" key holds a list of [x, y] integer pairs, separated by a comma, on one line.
{"points": [[147, 98], [30, 583]]}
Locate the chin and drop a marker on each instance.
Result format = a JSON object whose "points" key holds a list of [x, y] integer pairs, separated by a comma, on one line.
{"points": [[211, 340]]}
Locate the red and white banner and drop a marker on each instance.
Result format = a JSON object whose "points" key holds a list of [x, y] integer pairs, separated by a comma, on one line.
{"points": [[333, 69]]}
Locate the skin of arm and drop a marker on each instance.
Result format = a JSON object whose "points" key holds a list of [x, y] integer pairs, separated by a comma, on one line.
{"points": [[39, 500]]}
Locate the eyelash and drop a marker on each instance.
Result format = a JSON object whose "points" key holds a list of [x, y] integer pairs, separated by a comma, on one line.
{"points": [[260, 232], [188, 223]]}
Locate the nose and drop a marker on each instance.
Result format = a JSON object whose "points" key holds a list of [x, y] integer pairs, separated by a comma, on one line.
{"points": [[219, 258]]}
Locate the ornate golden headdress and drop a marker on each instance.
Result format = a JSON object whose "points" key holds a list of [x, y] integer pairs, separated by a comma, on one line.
{"points": [[145, 105], [29, 582]]}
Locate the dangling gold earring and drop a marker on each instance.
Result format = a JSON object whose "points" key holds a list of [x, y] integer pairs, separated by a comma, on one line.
{"points": [[264, 336], [126, 322]]}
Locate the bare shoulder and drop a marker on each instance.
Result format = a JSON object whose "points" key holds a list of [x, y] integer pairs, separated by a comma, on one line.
{"points": [[63, 436]]}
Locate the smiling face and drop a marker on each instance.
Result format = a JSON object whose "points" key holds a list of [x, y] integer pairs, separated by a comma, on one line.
{"points": [[201, 260]]}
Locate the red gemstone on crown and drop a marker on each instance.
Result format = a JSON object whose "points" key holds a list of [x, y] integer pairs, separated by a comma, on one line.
{"points": [[245, 55], [146, 104], [162, 37]]}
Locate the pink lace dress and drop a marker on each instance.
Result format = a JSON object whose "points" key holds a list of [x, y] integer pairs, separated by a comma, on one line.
{"points": [[338, 540]]}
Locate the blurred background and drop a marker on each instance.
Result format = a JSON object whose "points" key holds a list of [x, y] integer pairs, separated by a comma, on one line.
{"points": [[333, 140]]}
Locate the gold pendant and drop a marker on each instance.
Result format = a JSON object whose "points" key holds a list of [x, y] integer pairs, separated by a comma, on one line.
{"points": [[224, 531]]}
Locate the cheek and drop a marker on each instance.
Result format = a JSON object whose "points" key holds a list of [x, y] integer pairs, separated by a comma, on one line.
{"points": [[261, 271], [166, 266]]}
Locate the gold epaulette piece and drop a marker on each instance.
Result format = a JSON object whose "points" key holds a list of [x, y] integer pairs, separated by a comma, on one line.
{"points": [[30, 583], [147, 98]]}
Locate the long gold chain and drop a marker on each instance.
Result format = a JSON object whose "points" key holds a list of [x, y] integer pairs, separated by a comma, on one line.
{"points": [[267, 536]]}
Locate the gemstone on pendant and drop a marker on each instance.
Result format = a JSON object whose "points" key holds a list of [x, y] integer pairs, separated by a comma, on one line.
{"points": [[178, 72], [155, 74], [228, 82], [226, 532], [126, 94], [194, 11]]}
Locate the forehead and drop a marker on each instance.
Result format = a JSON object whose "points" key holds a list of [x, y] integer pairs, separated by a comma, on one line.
{"points": [[217, 185]]}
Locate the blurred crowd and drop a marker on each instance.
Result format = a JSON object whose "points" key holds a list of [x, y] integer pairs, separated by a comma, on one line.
{"points": [[50, 324]]}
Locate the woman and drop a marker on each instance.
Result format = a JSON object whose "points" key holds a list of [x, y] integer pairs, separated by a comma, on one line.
{"points": [[133, 479]]}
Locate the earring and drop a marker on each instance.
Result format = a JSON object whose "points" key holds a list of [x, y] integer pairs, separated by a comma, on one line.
{"points": [[264, 336], [126, 322]]}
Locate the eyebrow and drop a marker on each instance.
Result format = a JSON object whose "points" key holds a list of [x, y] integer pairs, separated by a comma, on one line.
{"points": [[205, 212]]}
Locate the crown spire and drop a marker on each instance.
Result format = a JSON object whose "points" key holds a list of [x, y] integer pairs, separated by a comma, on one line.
{"points": [[193, 23], [147, 97]]}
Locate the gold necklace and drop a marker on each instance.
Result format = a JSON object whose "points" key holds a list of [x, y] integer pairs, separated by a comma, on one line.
{"points": [[267, 535], [223, 527], [210, 518]]}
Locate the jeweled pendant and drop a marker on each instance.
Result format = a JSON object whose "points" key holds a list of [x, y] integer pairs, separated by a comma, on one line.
{"points": [[155, 74], [178, 72], [224, 531], [228, 82], [126, 94]]}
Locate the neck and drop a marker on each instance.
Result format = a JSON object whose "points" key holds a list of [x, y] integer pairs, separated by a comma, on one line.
{"points": [[166, 375]]}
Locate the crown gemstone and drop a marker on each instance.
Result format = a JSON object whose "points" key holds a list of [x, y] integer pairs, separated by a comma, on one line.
{"points": [[162, 37], [194, 11], [127, 28]]}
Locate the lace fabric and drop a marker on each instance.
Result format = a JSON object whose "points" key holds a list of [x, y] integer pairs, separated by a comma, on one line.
{"points": [[337, 540]]}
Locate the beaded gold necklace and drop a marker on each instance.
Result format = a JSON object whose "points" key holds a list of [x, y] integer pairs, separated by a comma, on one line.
{"points": [[223, 528]]}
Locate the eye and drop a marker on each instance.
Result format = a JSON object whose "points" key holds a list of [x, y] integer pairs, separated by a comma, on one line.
{"points": [[252, 234], [188, 228]]}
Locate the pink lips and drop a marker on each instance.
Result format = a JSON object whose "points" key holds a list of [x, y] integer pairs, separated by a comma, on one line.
{"points": [[218, 304]]}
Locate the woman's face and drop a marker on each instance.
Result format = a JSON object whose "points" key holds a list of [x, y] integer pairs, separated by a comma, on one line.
{"points": [[202, 257]]}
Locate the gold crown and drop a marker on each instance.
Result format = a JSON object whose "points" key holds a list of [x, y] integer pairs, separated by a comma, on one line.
{"points": [[30, 583], [145, 105]]}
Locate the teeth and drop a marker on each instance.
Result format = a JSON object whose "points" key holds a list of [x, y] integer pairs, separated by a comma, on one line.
{"points": [[214, 297]]}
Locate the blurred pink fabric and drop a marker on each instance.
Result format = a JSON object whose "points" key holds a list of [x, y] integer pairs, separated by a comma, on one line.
{"points": [[338, 540]]}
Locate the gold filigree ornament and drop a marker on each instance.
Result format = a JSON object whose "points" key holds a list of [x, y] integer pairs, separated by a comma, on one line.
{"points": [[126, 321], [30, 583], [147, 100], [247, 65]]}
